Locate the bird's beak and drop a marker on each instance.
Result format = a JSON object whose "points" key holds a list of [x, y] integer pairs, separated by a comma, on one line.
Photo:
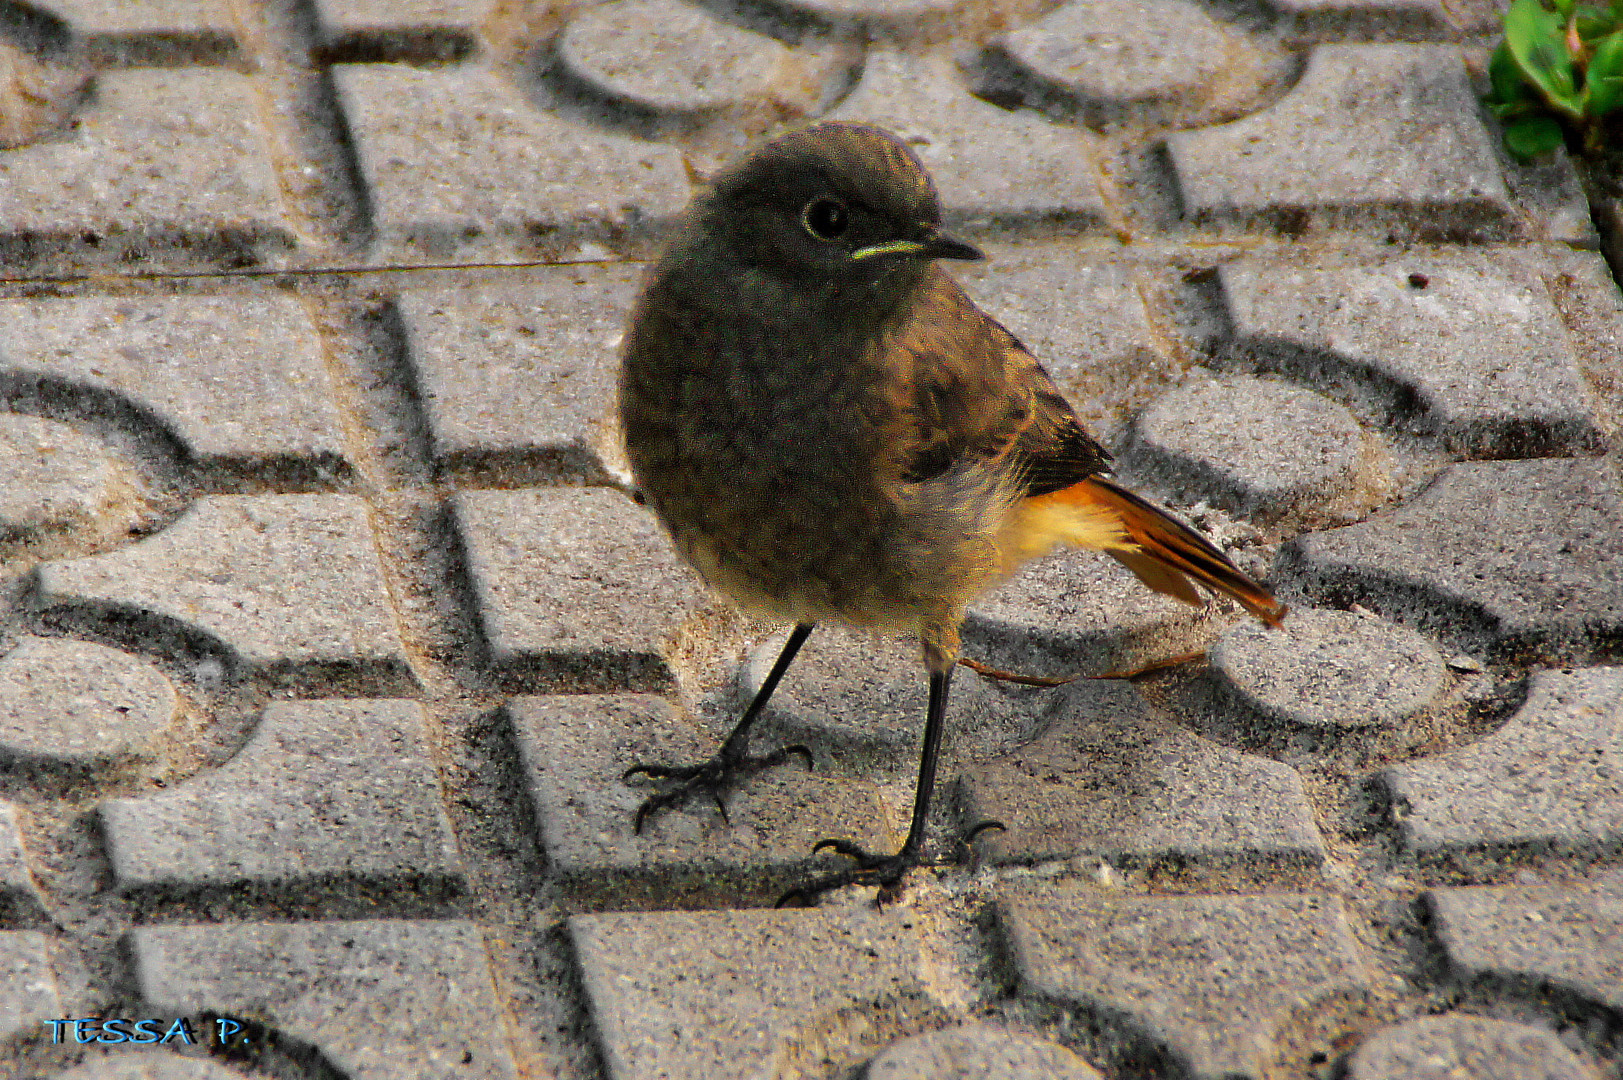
{"points": [[932, 246]]}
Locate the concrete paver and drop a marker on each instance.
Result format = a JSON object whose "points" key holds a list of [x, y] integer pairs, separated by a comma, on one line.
{"points": [[1246, 963], [327, 626]]}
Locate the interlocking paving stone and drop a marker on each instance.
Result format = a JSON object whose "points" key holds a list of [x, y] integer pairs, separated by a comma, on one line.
{"points": [[239, 382], [152, 32], [522, 378], [28, 993], [171, 165], [1372, 134], [667, 58], [1329, 669], [574, 748], [381, 1000], [1079, 613], [1508, 558], [453, 157], [1109, 778], [969, 146], [1207, 979], [1464, 1048], [1260, 448], [324, 792], [52, 479], [75, 703], [291, 584], [1466, 348], [1150, 61], [977, 1052], [1550, 779], [1515, 940], [735, 994], [19, 895], [399, 29], [577, 585], [1084, 320]]}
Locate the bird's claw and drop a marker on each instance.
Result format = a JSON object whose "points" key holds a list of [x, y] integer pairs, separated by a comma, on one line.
{"points": [[713, 778], [885, 871]]}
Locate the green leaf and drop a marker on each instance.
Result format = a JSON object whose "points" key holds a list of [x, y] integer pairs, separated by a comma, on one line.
{"points": [[1595, 23], [1537, 135], [1604, 78], [1536, 39], [1564, 8], [1508, 85]]}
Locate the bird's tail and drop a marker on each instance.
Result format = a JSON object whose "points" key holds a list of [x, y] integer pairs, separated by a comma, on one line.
{"points": [[1160, 550]]}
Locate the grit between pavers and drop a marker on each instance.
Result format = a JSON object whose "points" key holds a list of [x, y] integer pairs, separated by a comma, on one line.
{"points": [[181, 167], [20, 901]]}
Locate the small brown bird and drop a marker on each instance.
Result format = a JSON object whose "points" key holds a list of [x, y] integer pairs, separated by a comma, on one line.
{"points": [[830, 429]]}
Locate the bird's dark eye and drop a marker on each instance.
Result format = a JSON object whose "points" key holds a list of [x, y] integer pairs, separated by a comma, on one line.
{"points": [[825, 219]]}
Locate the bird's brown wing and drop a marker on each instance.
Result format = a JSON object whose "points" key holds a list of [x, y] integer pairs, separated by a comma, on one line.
{"points": [[978, 394], [975, 393]]}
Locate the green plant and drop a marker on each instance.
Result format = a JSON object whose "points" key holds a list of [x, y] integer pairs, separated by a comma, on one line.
{"points": [[1559, 70]]}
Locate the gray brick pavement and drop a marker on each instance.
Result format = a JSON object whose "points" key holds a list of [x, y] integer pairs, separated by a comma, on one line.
{"points": [[327, 626]]}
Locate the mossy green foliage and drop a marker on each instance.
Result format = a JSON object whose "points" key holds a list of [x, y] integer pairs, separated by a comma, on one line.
{"points": [[1559, 71]]}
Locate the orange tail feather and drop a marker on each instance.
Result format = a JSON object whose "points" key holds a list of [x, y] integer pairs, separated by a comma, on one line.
{"points": [[1163, 552]]}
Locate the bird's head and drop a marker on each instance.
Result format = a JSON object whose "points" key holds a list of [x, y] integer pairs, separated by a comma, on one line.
{"points": [[832, 205]]}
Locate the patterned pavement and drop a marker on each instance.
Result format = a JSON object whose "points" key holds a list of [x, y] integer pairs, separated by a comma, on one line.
{"points": [[327, 628]]}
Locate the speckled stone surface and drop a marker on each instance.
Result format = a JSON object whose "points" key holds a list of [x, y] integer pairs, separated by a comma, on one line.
{"points": [[1467, 1047], [1514, 557], [520, 379], [28, 992], [574, 585], [417, 133], [1550, 778], [1106, 777], [1547, 938], [726, 994], [1249, 962], [974, 1052], [75, 703], [1469, 351], [171, 165], [1380, 134], [328, 627], [970, 146], [288, 585], [239, 383], [382, 998], [1329, 669], [1266, 450], [52, 478], [325, 792]]}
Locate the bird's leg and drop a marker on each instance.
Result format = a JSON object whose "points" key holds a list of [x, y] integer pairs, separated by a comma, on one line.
{"points": [[886, 871], [716, 776]]}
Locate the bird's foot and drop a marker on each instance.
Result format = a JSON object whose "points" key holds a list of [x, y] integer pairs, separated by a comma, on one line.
{"points": [[885, 871], [714, 778]]}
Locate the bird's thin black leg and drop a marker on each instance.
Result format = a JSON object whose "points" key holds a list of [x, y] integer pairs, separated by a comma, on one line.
{"points": [[716, 776], [886, 871]]}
